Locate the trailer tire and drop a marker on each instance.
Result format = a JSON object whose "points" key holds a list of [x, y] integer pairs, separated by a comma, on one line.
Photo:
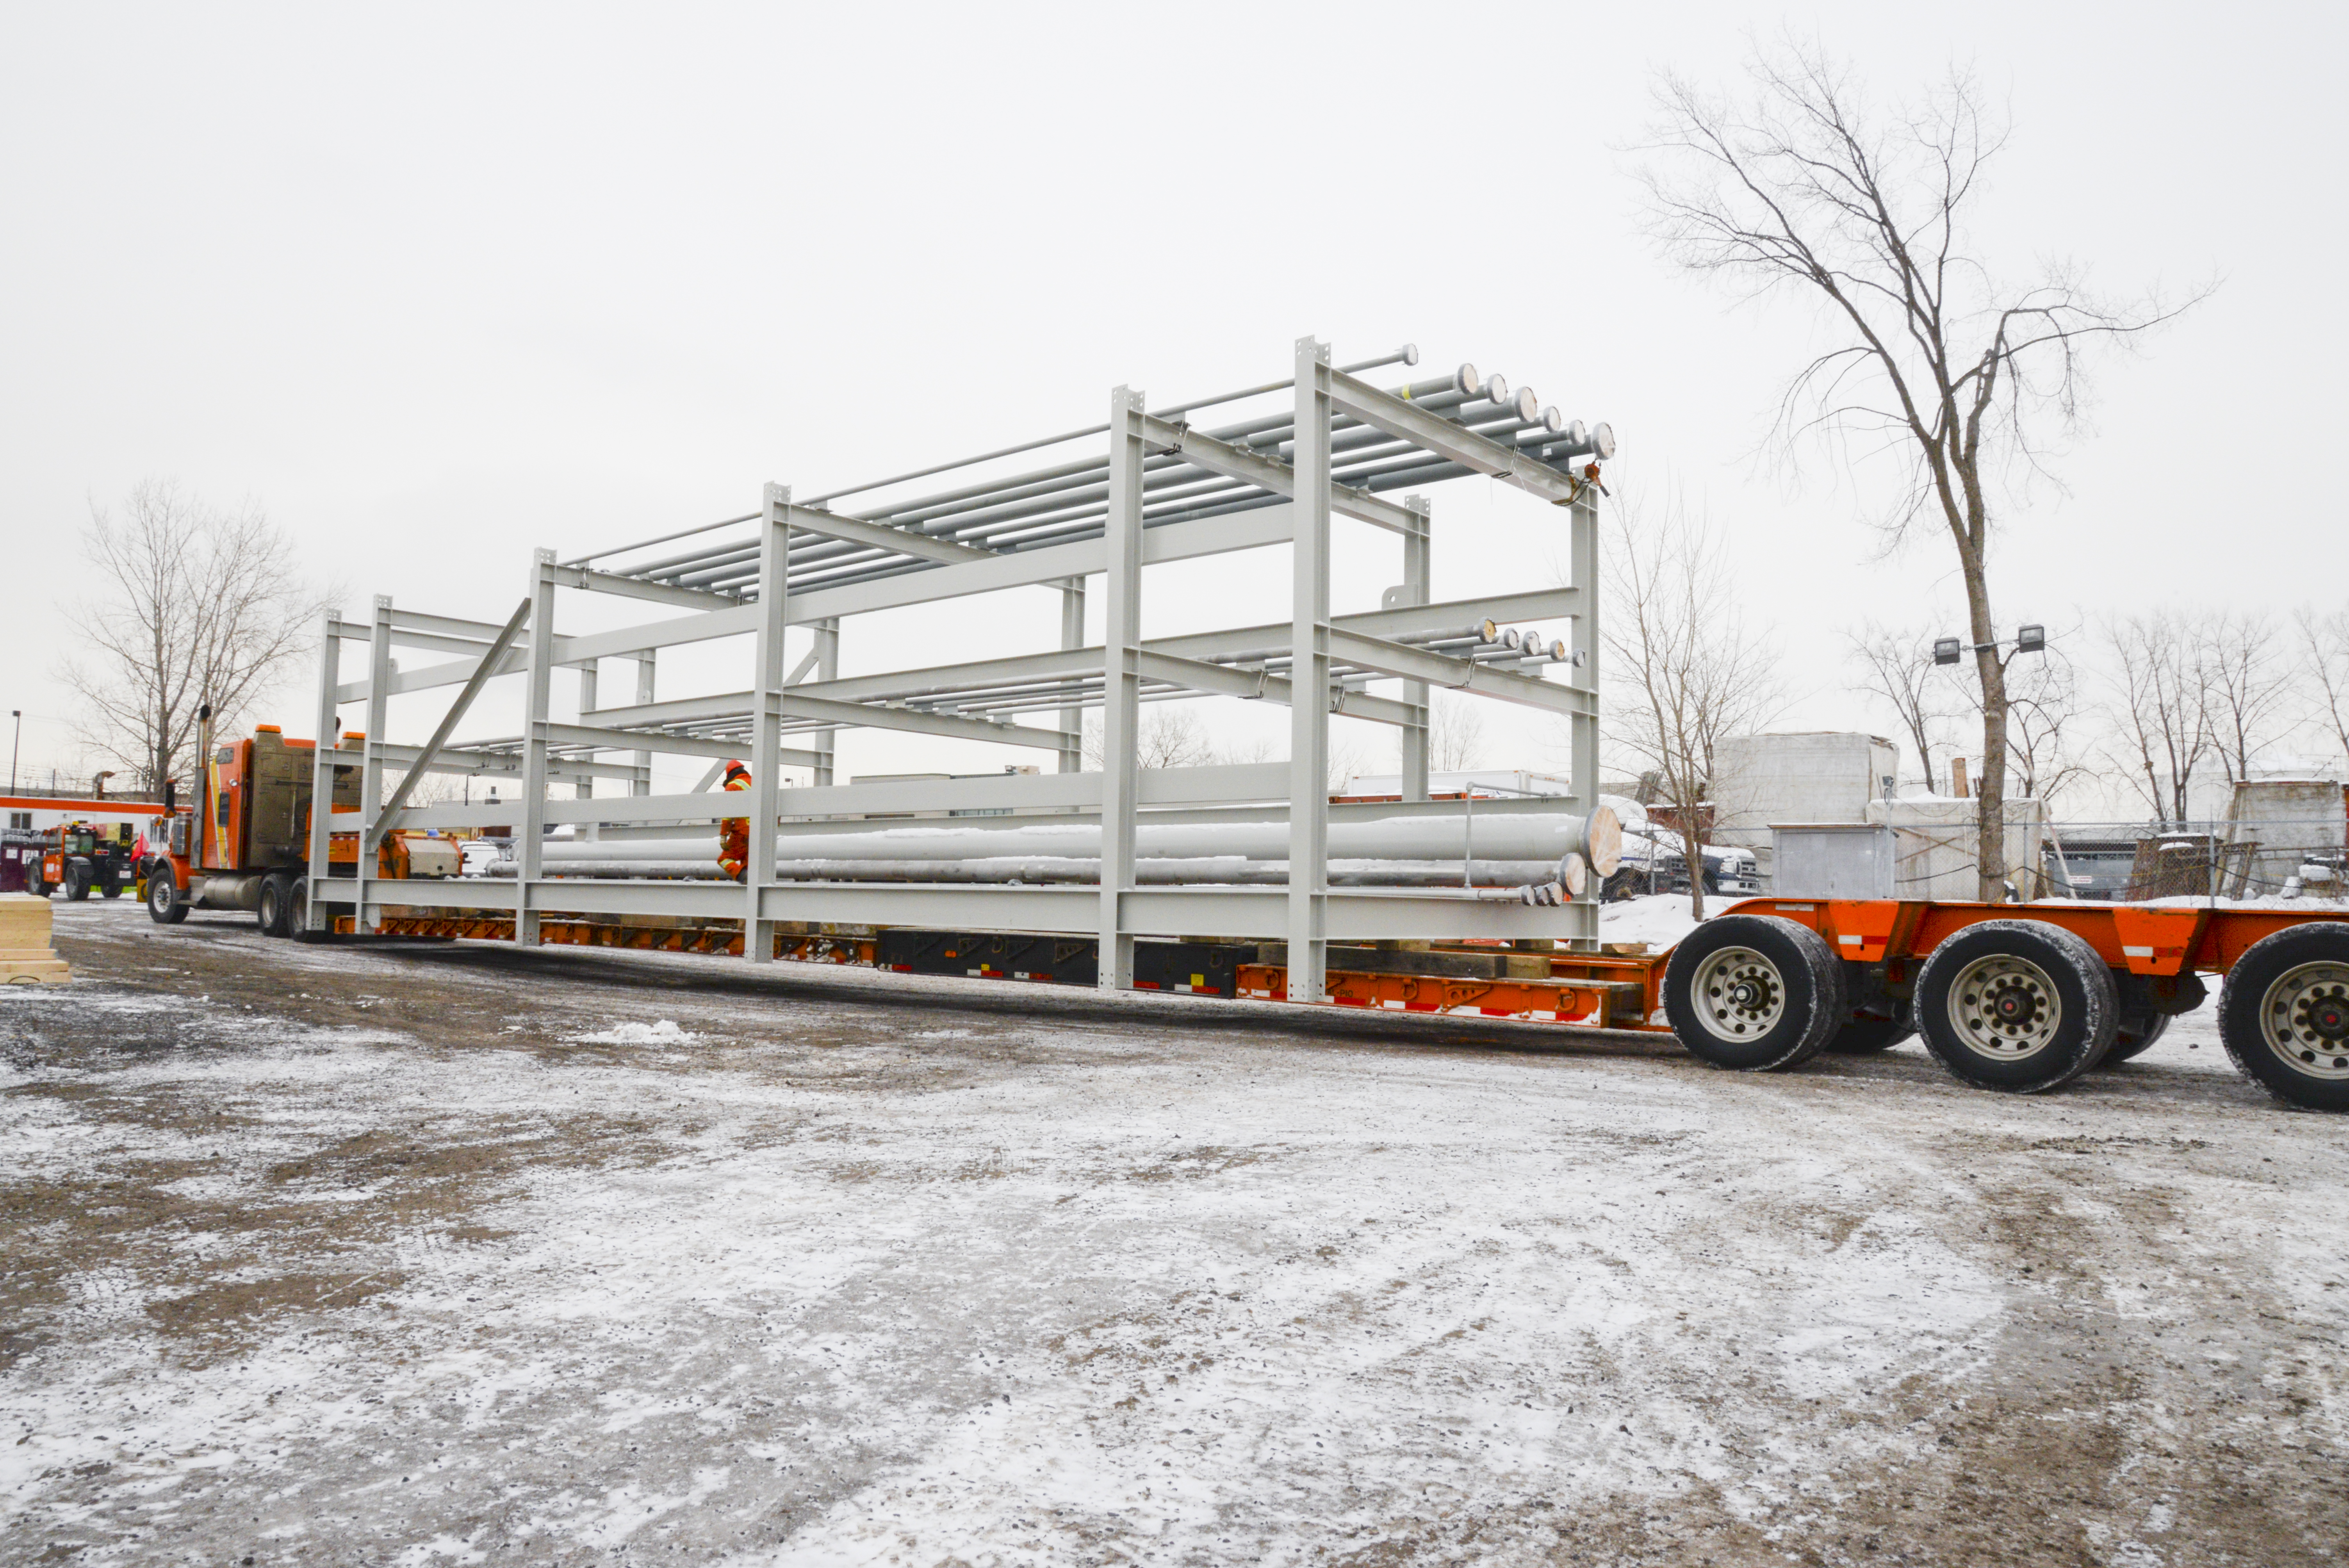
{"points": [[2283, 1014], [76, 880], [2017, 1006], [1865, 1037], [2134, 1036], [167, 904], [270, 907], [1753, 993]]}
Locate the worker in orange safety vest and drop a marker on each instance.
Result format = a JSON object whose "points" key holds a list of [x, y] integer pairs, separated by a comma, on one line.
{"points": [[734, 832]]}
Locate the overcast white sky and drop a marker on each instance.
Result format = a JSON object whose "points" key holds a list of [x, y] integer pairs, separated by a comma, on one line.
{"points": [[437, 285]]}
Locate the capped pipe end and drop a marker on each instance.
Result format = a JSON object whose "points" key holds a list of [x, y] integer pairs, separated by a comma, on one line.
{"points": [[1411, 354], [1529, 405], [1489, 632], [1552, 420], [1466, 381], [1602, 841], [1512, 638], [1602, 441], [1497, 388], [1574, 873]]}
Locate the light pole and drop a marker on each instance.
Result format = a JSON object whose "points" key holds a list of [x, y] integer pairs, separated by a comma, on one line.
{"points": [[19, 715]]}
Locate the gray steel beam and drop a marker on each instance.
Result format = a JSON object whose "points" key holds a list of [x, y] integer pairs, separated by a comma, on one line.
{"points": [[1121, 684], [1309, 722], [531, 830], [882, 536]]}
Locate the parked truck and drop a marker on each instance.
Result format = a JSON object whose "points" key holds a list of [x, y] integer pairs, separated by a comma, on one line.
{"points": [[243, 844]]}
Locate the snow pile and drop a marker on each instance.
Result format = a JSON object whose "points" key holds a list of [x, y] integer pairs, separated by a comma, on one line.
{"points": [[663, 1033], [1658, 920]]}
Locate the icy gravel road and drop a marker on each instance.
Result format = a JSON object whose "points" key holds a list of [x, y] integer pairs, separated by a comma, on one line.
{"points": [[457, 1255]]}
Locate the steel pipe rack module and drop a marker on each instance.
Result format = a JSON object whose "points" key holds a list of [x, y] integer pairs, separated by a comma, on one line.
{"points": [[1155, 488]]}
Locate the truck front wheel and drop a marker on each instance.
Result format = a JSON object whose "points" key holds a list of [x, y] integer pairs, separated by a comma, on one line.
{"points": [[166, 903]]}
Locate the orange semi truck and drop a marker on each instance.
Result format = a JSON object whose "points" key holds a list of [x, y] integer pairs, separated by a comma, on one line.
{"points": [[245, 843]]}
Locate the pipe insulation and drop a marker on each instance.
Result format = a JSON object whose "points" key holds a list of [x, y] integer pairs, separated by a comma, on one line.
{"points": [[1534, 836]]}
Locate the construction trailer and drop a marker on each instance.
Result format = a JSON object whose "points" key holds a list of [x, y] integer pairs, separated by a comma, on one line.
{"points": [[1242, 881]]}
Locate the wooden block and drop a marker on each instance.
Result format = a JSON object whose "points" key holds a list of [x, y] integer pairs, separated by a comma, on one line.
{"points": [[26, 954], [51, 970], [1626, 949]]}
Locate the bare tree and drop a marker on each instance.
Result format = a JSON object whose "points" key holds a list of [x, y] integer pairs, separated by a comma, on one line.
{"points": [[195, 606], [1896, 664], [2164, 717], [1934, 362], [2248, 675], [1685, 671], [1168, 736], [2323, 653], [1455, 733]]}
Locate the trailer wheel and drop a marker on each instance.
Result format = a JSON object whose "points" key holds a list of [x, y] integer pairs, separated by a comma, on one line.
{"points": [[166, 903], [1865, 1037], [270, 907], [1753, 993], [2018, 1005], [2134, 1036], [2283, 1014]]}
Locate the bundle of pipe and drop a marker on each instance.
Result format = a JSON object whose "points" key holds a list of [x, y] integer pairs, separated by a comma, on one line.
{"points": [[1568, 871], [1058, 504], [1531, 836]]}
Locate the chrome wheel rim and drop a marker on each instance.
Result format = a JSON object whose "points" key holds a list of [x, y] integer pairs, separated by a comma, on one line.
{"points": [[2004, 1009], [2304, 1017], [1739, 995]]}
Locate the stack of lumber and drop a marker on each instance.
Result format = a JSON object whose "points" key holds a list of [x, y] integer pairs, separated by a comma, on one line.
{"points": [[26, 955]]}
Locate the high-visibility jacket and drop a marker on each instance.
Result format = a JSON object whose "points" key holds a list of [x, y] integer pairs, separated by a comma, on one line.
{"points": [[734, 837]]}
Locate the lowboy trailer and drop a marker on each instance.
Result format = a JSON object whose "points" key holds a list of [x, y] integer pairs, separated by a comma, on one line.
{"points": [[2020, 998]]}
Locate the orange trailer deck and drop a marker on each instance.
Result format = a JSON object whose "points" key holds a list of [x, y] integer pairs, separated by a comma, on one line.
{"points": [[2013, 997]]}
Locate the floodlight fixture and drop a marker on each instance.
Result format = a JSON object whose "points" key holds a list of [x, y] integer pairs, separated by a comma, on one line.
{"points": [[2031, 639], [1945, 650]]}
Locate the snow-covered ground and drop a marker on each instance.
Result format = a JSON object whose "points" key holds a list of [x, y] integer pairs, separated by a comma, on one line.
{"points": [[463, 1255]]}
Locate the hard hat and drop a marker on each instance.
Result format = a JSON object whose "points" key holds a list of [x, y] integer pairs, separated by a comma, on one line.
{"points": [[734, 767]]}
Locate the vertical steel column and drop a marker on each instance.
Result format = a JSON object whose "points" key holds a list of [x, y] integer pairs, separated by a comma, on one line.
{"points": [[1120, 685], [1073, 635], [1417, 546], [583, 785], [827, 668], [1582, 673], [529, 848], [641, 784], [1309, 675], [371, 770], [316, 914], [767, 719]]}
